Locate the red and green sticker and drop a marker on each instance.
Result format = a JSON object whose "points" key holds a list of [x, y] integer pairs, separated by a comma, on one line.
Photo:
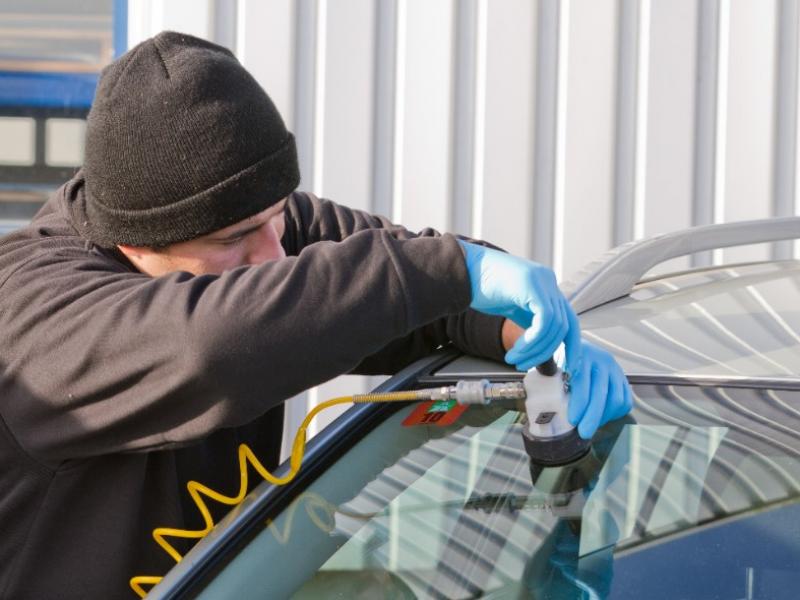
{"points": [[439, 413]]}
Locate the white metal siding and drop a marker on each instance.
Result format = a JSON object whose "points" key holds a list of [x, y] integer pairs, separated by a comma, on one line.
{"points": [[554, 128]]}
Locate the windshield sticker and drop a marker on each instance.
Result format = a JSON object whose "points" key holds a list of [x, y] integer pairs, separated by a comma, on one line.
{"points": [[440, 413]]}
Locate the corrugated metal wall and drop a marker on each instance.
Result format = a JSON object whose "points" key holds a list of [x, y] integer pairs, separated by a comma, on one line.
{"points": [[554, 128]]}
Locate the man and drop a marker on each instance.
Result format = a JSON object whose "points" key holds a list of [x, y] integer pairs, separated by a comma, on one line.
{"points": [[168, 299]]}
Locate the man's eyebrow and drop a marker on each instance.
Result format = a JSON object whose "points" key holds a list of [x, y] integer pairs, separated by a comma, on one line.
{"points": [[280, 207], [239, 233]]}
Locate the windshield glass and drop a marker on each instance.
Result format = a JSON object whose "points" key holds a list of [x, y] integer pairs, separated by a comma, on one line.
{"points": [[695, 496], [727, 322]]}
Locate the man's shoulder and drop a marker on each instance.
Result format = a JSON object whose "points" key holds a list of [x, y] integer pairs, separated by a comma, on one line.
{"points": [[47, 241], [47, 226]]}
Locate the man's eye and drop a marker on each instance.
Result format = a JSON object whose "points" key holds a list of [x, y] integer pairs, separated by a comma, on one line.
{"points": [[231, 241], [239, 236]]}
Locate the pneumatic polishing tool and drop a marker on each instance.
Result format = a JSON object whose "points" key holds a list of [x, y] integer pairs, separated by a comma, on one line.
{"points": [[550, 439]]}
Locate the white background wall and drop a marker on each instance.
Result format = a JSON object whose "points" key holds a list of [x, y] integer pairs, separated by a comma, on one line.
{"points": [[554, 128]]}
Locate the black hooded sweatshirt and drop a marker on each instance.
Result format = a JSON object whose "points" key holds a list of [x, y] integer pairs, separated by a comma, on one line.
{"points": [[117, 388]]}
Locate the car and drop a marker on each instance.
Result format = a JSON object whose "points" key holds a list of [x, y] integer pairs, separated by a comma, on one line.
{"points": [[694, 495]]}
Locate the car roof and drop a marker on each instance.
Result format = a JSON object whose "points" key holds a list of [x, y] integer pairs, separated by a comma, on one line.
{"points": [[738, 323]]}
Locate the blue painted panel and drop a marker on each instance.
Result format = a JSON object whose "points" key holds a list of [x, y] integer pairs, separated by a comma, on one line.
{"points": [[120, 27], [47, 90], [711, 564]]}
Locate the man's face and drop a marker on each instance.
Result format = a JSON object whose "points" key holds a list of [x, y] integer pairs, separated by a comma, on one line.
{"points": [[253, 241]]}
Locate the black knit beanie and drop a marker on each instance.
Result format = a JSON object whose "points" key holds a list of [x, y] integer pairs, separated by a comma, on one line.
{"points": [[180, 141]]}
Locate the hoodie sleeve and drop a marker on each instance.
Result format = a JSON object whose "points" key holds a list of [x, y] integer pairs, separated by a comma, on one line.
{"points": [[310, 220], [96, 358]]}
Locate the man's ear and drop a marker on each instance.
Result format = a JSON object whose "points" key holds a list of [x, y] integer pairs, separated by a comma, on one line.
{"points": [[140, 257], [132, 251]]}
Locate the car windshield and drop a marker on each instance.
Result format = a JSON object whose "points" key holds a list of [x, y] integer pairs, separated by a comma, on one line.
{"points": [[695, 495], [726, 322]]}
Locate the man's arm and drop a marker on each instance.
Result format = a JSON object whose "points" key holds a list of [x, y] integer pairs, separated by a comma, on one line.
{"points": [[98, 359], [310, 220]]}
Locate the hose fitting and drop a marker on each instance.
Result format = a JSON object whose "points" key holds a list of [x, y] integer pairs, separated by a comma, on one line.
{"points": [[477, 391]]}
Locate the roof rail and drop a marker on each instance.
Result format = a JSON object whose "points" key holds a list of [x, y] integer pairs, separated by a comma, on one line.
{"points": [[615, 273]]}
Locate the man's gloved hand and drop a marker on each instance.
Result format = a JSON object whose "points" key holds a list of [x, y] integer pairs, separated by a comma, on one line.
{"points": [[599, 391], [526, 293]]}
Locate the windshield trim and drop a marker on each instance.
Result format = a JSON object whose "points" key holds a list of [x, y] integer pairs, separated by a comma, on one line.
{"points": [[772, 383], [207, 557], [742, 381]]}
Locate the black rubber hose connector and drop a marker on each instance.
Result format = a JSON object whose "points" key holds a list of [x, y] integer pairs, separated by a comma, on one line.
{"points": [[548, 368]]}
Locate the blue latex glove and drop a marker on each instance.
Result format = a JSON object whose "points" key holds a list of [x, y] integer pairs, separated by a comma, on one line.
{"points": [[599, 391], [527, 293]]}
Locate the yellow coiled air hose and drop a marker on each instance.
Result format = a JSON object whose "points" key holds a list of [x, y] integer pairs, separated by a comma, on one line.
{"points": [[246, 456]]}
